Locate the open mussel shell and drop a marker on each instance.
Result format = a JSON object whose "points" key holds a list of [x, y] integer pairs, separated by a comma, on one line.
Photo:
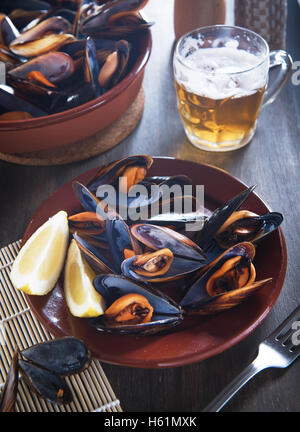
{"points": [[10, 390], [159, 266], [29, 5], [50, 386], [225, 284], [95, 255], [92, 67], [102, 15], [206, 237], [64, 356], [55, 66], [247, 226], [120, 240], [87, 223], [166, 313], [158, 237], [8, 32], [132, 169], [86, 198], [10, 102]]}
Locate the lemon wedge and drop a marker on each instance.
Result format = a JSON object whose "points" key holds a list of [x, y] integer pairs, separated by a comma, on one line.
{"points": [[81, 297], [40, 261]]}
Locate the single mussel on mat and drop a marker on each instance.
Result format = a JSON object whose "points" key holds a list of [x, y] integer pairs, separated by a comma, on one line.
{"points": [[59, 55], [43, 368]]}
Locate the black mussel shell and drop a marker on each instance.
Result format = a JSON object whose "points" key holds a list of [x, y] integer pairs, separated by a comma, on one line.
{"points": [[92, 67], [120, 240], [11, 102], [96, 255], [179, 268], [7, 6], [200, 301], [207, 235], [109, 174], [247, 226], [86, 198], [100, 16], [50, 386], [10, 390], [8, 32], [65, 356], [55, 66], [166, 315], [157, 237]]}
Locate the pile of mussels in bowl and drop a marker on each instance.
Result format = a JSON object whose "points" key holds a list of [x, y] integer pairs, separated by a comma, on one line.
{"points": [[71, 67]]}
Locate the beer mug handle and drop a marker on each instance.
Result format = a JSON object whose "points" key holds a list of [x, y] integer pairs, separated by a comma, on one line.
{"points": [[277, 78]]}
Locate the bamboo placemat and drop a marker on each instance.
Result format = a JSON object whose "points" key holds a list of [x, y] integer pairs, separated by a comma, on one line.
{"points": [[18, 327]]}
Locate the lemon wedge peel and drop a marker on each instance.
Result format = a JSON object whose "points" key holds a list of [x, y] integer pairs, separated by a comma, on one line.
{"points": [[40, 261], [81, 297]]}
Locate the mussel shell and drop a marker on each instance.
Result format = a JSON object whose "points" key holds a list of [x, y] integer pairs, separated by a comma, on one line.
{"points": [[118, 31], [87, 223], [120, 239], [86, 198], [101, 15], [256, 228], [10, 390], [64, 356], [11, 102], [179, 268], [207, 235], [109, 174], [95, 255], [228, 300], [8, 32], [53, 25], [92, 67], [7, 6], [157, 237], [55, 66], [50, 42], [197, 296], [166, 315], [50, 386]]}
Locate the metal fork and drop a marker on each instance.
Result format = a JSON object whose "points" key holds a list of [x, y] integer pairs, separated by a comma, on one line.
{"points": [[279, 350]]}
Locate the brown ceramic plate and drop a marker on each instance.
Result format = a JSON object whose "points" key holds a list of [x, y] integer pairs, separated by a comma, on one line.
{"points": [[196, 339]]}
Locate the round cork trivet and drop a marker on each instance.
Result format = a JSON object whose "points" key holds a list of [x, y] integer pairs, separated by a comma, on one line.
{"points": [[89, 147]]}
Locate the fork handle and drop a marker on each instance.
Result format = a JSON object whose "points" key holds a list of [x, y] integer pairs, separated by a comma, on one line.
{"points": [[232, 388]]}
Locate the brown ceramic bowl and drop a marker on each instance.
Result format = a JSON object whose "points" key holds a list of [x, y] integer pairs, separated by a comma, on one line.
{"points": [[56, 130], [197, 338]]}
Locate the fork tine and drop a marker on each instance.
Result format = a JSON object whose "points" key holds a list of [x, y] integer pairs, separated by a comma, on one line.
{"points": [[285, 326]]}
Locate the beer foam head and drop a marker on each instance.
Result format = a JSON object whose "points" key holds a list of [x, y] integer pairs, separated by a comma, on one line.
{"points": [[220, 72]]}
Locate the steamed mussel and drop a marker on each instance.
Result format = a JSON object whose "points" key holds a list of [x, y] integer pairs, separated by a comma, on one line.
{"points": [[225, 284], [214, 267], [229, 225], [55, 61], [133, 308], [136, 263], [43, 367]]}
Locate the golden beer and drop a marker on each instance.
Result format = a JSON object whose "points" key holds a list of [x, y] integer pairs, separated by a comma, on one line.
{"points": [[221, 74], [219, 122]]}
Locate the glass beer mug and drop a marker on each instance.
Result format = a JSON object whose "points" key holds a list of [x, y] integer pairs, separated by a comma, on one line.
{"points": [[221, 79]]}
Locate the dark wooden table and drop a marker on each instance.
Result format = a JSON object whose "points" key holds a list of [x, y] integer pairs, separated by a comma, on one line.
{"points": [[272, 161]]}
